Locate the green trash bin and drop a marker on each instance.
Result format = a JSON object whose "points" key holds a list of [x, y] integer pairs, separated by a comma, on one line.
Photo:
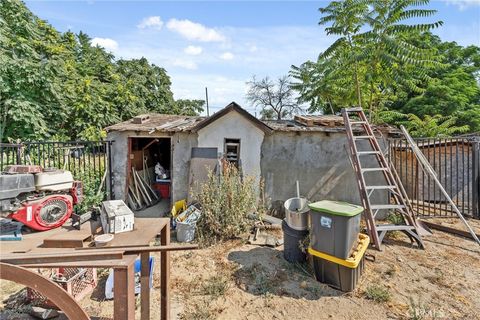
{"points": [[335, 226]]}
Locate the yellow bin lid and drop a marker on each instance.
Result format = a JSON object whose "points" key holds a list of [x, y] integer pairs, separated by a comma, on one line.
{"points": [[355, 256]]}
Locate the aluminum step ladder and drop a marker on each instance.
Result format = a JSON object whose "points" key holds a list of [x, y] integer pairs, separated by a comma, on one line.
{"points": [[365, 137]]}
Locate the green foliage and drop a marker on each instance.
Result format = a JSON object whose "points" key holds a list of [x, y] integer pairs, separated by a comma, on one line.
{"points": [[226, 202], [433, 126], [54, 84], [391, 67], [189, 107], [377, 293]]}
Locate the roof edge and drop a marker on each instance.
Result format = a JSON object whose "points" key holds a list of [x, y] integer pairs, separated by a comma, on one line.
{"points": [[233, 106]]}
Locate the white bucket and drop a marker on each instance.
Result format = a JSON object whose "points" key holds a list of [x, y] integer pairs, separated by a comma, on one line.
{"points": [[185, 232]]}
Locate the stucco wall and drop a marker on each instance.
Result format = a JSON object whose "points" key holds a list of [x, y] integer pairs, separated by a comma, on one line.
{"points": [[319, 161], [182, 144], [235, 126]]}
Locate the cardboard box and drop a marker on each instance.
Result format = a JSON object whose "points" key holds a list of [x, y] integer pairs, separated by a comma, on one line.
{"points": [[116, 217]]}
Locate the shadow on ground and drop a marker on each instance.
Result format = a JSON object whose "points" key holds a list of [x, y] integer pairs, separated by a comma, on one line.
{"points": [[263, 271]]}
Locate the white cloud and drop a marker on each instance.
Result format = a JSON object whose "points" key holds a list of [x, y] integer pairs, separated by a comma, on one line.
{"points": [[227, 56], [106, 43], [253, 48], [193, 50], [153, 22], [194, 31], [463, 4], [186, 64]]}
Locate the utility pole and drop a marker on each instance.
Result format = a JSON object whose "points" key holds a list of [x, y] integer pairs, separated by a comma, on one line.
{"points": [[206, 99]]}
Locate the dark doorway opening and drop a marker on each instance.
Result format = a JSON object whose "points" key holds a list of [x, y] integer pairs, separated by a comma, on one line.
{"points": [[151, 159]]}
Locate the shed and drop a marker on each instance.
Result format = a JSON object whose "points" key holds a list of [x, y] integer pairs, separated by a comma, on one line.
{"points": [[309, 149]]}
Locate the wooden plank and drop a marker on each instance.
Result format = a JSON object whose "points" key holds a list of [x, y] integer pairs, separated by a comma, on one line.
{"points": [[124, 292], [165, 275], [67, 240], [60, 257], [145, 286], [304, 120], [140, 249], [111, 263], [451, 230]]}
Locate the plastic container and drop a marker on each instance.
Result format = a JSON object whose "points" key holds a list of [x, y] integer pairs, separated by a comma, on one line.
{"points": [[296, 213], [103, 239], [185, 231], [335, 227], [292, 243], [136, 269], [341, 274], [163, 188]]}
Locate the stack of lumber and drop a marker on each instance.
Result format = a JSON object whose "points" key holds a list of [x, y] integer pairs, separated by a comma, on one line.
{"points": [[140, 193], [324, 120]]}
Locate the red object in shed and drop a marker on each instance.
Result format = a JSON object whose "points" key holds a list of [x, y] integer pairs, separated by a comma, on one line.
{"points": [[163, 188]]}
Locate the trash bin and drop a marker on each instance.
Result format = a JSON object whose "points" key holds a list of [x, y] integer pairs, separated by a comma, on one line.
{"points": [[185, 231], [293, 241], [341, 274], [335, 226], [296, 213]]}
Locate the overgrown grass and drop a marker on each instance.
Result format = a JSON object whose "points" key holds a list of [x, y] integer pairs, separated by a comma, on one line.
{"points": [[377, 294], [198, 311], [419, 311], [216, 286]]}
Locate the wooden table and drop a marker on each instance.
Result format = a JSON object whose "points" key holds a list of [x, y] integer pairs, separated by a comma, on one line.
{"points": [[145, 230]]}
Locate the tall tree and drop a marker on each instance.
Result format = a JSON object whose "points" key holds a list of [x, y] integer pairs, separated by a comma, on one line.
{"points": [[29, 64], [345, 19], [59, 86], [275, 98], [372, 39]]}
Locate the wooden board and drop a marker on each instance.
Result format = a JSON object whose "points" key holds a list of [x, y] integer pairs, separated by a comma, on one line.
{"points": [[70, 239], [323, 120]]}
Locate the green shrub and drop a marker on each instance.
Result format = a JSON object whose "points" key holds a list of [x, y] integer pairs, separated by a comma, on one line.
{"points": [[226, 202], [377, 294]]}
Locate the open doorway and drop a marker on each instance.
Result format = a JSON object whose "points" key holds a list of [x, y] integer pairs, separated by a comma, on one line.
{"points": [[150, 180]]}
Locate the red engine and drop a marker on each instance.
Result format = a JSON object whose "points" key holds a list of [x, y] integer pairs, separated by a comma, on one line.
{"points": [[41, 200]]}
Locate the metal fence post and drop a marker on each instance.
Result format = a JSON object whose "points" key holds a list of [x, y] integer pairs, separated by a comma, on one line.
{"points": [[110, 177], [19, 153], [476, 179]]}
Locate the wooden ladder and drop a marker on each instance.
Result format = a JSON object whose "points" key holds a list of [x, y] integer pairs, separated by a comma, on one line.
{"points": [[393, 186]]}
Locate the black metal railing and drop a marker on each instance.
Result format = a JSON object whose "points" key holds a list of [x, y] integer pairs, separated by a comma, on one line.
{"points": [[457, 164], [89, 161]]}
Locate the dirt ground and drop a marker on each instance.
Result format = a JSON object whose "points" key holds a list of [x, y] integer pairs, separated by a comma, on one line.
{"points": [[235, 280]]}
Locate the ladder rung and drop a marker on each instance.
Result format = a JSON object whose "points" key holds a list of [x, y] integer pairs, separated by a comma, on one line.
{"points": [[386, 206], [362, 137], [358, 122], [361, 153], [380, 187], [353, 109], [393, 227], [373, 169]]}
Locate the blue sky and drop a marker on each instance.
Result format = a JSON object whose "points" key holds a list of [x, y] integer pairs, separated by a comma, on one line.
{"points": [[221, 44]]}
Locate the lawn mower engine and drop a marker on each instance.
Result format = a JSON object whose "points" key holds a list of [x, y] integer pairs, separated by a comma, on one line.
{"points": [[40, 199]]}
